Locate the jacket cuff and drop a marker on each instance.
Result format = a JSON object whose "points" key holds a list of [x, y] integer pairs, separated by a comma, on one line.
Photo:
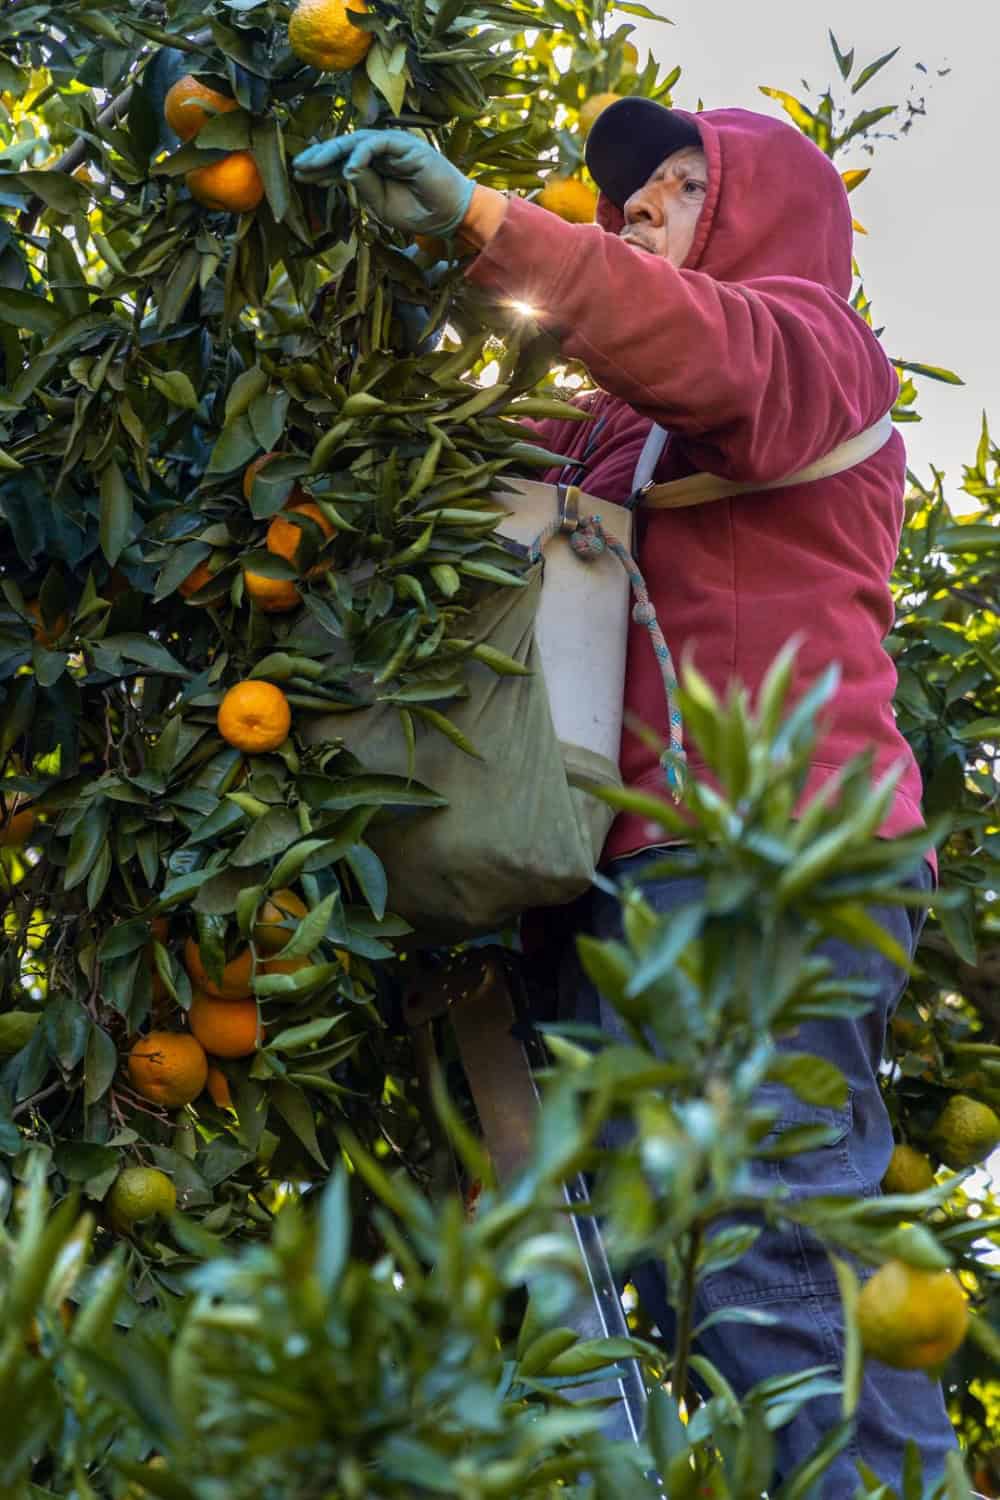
{"points": [[531, 257]]}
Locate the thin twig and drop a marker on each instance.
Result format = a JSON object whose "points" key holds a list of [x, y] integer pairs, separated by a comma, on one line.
{"points": [[29, 1103]]}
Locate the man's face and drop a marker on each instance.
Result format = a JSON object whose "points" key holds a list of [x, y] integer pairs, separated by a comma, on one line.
{"points": [[662, 215]]}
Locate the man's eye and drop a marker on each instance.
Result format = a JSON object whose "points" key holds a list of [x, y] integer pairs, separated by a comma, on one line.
{"points": [[692, 186]]}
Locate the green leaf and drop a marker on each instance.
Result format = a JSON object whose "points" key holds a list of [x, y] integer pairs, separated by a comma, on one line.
{"points": [[267, 837], [444, 726], [269, 154], [391, 83], [146, 651], [369, 872], [854, 1359], [845, 60], [66, 280], [293, 1106], [99, 1065], [56, 189], [812, 1078], [872, 68], [334, 1229], [234, 449], [85, 845], [311, 928], [123, 938], [296, 1038], [177, 387], [302, 982], [116, 512], [244, 389], [981, 729], [325, 794], [67, 1025], [932, 372], [24, 310]]}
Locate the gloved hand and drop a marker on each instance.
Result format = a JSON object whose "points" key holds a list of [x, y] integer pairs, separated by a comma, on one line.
{"points": [[403, 180]]}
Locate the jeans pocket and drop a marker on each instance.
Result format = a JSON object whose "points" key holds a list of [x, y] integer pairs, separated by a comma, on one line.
{"points": [[818, 1169], [787, 1262]]}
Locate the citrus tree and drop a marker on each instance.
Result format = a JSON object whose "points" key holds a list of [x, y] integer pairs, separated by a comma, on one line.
{"points": [[249, 442]]}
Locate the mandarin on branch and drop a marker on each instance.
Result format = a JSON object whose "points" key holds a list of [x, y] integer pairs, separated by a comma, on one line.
{"points": [[217, 1088], [254, 716], [17, 827], [168, 1068], [272, 595], [909, 1171], [141, 1193], [570, 198], [322, 34], [183, 106], [233, 184], [592, 107], [965, 1132], [225, 1028], [910, 1318]]}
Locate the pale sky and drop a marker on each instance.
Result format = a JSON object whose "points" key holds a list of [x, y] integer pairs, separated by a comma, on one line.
{"points": [[931, 205]]}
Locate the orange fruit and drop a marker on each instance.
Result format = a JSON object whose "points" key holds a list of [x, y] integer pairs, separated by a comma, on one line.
{"points": [[218, 1088], [966, 1132], [592, 107], [272, 595], [570, 198], [254, 716], [909, 1171], [235, 974], [233, 184], [912, 1319], [225, 1028], [196, 580], [268, 936], [182, 108], [322, 34], [284, 537], [140, 1193], [168, 1068], [159, 928], [46, 635], [17, 828]]}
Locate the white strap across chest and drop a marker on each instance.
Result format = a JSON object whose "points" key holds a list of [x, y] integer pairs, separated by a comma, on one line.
{"points": [[696, 489]]}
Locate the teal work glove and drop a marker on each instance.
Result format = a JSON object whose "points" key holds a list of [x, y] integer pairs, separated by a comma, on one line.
{"points": [[403, 180]]}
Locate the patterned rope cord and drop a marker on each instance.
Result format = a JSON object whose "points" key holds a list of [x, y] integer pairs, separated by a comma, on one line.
{"points": [[588, 541]]}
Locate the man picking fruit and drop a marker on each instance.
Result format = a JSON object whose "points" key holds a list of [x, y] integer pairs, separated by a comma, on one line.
{"points": [[710, 300]]}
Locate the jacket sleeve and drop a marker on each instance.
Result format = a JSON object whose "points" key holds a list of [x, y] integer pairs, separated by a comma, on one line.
{"points": [[760, 378]]}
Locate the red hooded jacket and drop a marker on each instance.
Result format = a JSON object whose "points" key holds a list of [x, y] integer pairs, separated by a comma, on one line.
{"points": [[752, 357]]}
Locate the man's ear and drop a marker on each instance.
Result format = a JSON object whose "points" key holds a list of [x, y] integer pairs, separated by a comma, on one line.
{"points": [[609, 216]]}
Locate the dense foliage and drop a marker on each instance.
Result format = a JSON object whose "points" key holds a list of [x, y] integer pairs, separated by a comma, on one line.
{"points": [[152, 349]]}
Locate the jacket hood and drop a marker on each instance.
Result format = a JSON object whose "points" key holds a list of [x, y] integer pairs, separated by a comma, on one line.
{"points": [[776, 206]]}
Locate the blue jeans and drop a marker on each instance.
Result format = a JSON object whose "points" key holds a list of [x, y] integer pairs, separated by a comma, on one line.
{"points": [[786, 1271]]}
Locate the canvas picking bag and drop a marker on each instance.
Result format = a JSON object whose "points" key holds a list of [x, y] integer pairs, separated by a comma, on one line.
{"points": [[520, 829]]}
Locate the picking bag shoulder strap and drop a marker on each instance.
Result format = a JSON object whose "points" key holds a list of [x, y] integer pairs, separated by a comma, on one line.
{"points": [[696, 489]]}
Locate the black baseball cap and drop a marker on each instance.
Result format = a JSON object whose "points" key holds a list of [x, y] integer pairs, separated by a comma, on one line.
{"points": [[629, 139]]}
